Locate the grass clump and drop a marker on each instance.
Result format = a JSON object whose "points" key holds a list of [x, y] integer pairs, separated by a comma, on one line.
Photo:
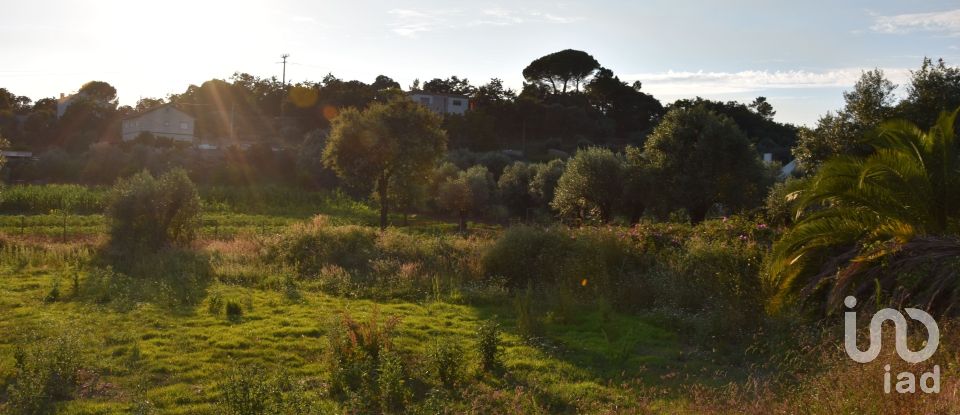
{"points": [[233, 311]]}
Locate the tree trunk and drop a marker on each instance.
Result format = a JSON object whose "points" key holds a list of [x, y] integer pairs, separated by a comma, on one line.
{"points": [[463, 221], [382, 192]]}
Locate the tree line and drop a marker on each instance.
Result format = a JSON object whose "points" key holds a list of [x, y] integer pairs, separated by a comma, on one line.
{"points": [[631, 156], [568, 101]]}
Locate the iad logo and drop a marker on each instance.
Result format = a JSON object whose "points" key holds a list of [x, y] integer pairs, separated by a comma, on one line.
{"points": [[906, 381]]}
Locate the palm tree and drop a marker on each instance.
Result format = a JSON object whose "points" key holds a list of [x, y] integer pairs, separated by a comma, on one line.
{"points": [[885, 224]]}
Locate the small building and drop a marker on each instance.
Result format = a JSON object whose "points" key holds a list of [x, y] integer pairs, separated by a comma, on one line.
{"points": [[161, 121], [441, 103]]}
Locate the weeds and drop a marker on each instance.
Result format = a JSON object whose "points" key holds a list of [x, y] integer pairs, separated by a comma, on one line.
{"points": [[488, 344], [445, 362]]}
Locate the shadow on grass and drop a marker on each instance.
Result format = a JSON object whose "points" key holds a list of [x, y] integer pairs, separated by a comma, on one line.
{"points": [[175, 279], [612, 347]]}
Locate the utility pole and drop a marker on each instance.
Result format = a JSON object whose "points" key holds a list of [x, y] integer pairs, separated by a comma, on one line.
{"points": [[283, 89]]}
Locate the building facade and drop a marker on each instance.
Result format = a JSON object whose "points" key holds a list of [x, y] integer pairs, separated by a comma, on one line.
{"points": [[160, 121], [441, 103]]}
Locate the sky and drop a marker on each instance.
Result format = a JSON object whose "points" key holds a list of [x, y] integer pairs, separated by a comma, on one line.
{"points": [[801, 55]]}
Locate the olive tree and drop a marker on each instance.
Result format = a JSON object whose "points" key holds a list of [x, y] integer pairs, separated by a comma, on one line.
{"points": [[468, 192], [514, 187], [700, 159], [397, 141], [590, 186], [543, 181]]}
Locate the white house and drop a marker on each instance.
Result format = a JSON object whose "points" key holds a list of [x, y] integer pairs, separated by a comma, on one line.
{"points": [[161, 121], [441, 103]]}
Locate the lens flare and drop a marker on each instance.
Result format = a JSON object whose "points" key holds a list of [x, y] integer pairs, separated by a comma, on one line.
{"points": [[330, 112]]}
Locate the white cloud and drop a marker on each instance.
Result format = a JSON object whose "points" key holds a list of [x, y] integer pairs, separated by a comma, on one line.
{"points": [[686, 83], [550, 17], [410, 23], [947, 22]]}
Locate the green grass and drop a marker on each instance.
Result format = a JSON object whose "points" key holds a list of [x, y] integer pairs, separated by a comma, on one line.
{"points": [[160, 341], [181, 351]]}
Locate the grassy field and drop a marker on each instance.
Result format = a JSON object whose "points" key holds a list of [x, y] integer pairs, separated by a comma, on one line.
{"points": [[165, 354], [185, 331]]}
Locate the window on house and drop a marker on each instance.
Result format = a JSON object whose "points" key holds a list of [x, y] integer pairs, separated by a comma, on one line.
{"points": [[457, 103], [425, 101], [184, 126]]}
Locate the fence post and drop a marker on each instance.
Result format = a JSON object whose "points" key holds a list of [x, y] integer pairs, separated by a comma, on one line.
{"points": [[22, 224]]}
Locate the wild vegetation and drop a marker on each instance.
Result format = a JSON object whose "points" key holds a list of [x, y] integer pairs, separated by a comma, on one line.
{"points": [[399, 271]]}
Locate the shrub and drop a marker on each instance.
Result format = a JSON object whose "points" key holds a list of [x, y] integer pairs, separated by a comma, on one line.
{"points": [[233, 311], [148, 213], [46, 372], [488, 344], [391, 383], [311, 246], [360, 352], [358, 260], [779, 205], [252, 389], [445, 362], [246, 390], [529, 255], [525, 254]]}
